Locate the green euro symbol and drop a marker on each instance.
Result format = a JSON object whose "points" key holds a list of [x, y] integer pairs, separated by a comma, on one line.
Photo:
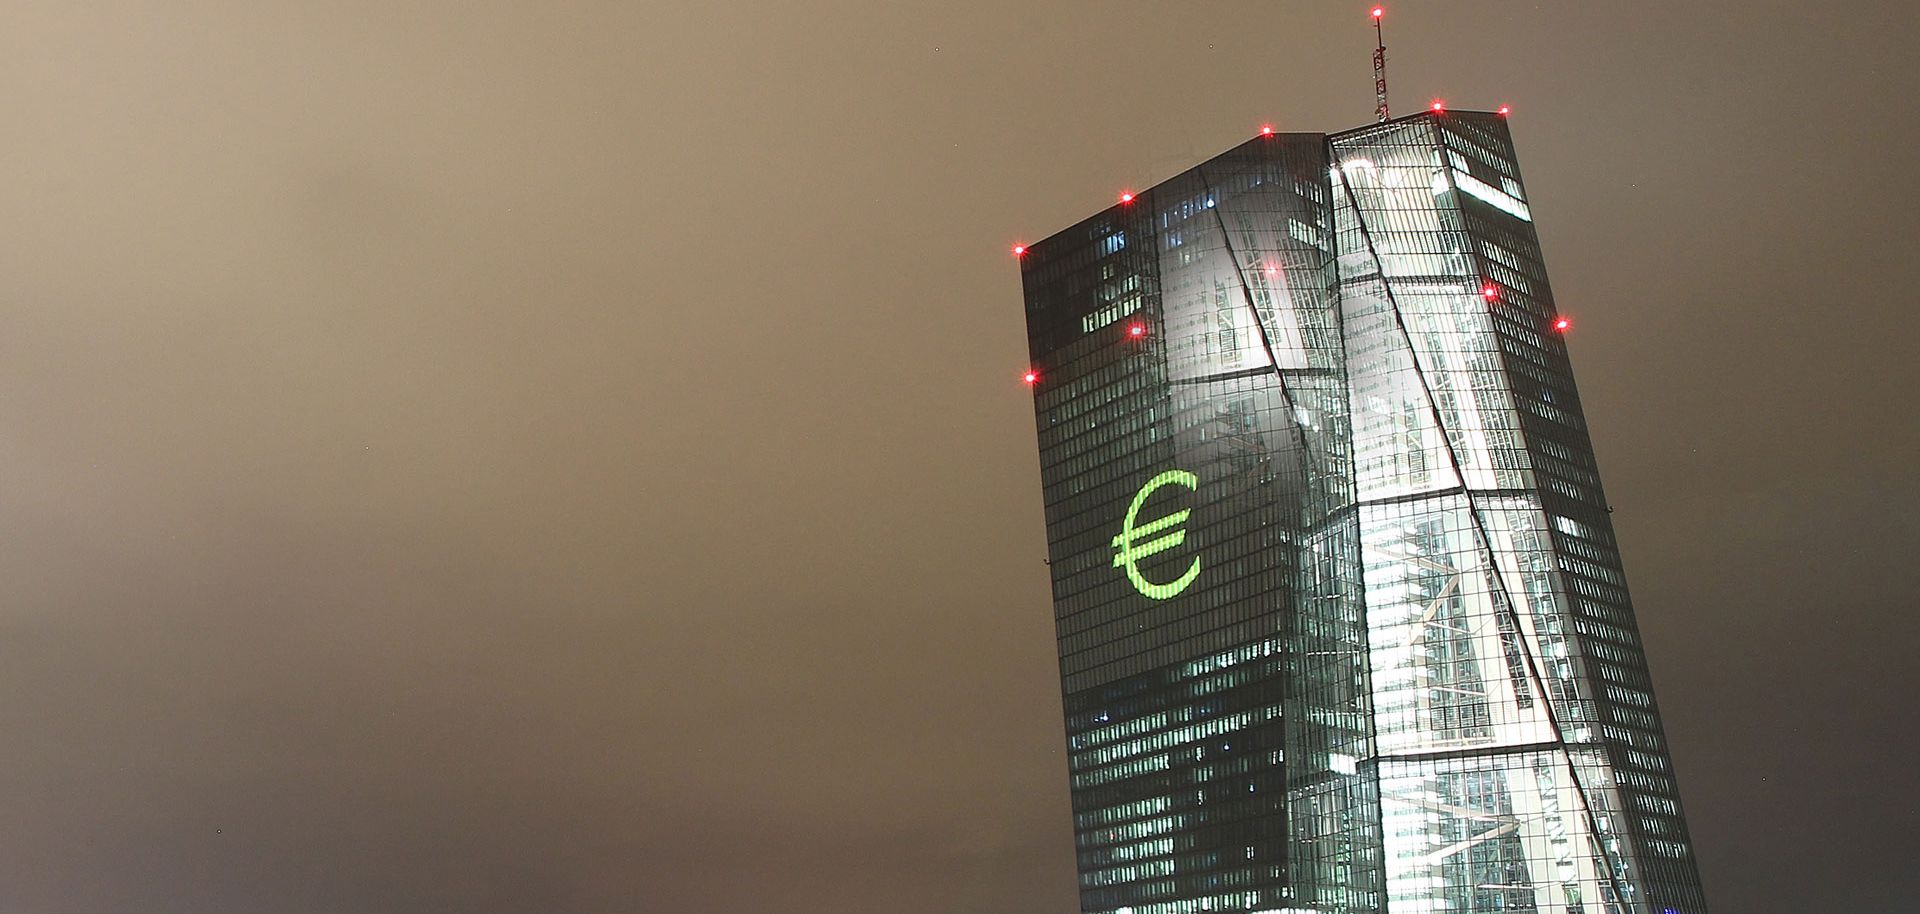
{"points": [[1129, 547]]}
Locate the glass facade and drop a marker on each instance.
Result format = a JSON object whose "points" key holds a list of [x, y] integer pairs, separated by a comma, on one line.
{"points": [[1341, 622]]}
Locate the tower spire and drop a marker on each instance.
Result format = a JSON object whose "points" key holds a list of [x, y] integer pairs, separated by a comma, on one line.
{"points": [[1379, 66]]}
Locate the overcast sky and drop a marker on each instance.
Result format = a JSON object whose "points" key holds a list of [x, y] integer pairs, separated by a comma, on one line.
{"points": [[570, 457]]}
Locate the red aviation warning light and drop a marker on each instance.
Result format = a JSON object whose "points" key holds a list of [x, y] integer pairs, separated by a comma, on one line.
{"points": [[1505, 110], [1030, 377], [1136, 330], [1563, 325], [1490, 292], [1126, 196], [1378, 12], [1019, 250], [1439, 107], [1266, 130]]}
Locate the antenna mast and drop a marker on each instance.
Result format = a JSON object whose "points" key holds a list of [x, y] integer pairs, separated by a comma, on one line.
{"points": [[1379, 67]]}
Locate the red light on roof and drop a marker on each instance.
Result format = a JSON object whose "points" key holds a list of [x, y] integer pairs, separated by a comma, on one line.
{"points": [[1126, 196], [1378, 12], [1490, 293], [1266, 130], [1504, 110], [1019, 250], [1439, 105], [1136, 330], [1030, 377], [1562, 324]]}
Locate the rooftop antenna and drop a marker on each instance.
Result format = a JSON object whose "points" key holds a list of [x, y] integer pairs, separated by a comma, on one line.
{"points": [[1379, 67]]}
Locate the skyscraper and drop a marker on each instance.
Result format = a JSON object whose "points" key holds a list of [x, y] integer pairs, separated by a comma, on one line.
{"points": [[1342, 625]]}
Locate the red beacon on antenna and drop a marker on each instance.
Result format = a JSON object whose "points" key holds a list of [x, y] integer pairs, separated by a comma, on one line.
{"points": [[1378, 12]]}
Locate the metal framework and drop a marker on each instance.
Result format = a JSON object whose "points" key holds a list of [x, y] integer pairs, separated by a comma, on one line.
{"points": [[1379, 67]]}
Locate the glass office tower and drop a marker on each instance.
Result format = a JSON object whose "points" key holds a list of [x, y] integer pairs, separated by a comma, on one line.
{"points": [[1341, 622], [1196, 457]]}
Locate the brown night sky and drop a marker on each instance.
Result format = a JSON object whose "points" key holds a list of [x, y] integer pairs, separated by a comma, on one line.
{"points": [[570, 457]]}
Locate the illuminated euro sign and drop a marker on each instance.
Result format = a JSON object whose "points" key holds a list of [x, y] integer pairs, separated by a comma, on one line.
{"points": [[1133, 543]]}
